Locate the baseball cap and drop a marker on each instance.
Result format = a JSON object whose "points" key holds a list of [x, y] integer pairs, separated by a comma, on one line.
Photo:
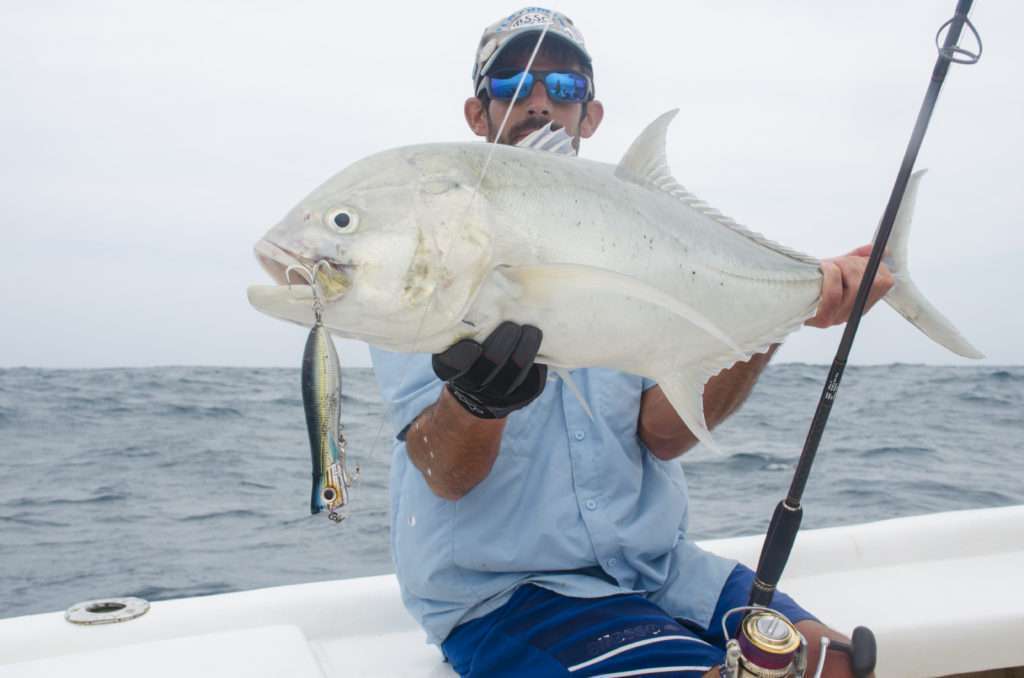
{"points": [[504, 32]]}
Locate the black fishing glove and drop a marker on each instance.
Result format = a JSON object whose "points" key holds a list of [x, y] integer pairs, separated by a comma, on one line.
{"points": [[497, 377]]}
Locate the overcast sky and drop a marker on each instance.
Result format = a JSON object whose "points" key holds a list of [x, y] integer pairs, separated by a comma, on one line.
{"points": [[146, 146]]}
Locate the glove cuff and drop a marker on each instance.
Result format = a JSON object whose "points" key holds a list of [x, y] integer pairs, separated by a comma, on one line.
{"points": [[474, 406]]}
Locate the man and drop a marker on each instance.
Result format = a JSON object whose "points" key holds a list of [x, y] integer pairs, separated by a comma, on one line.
{"points": [[530, 539]]}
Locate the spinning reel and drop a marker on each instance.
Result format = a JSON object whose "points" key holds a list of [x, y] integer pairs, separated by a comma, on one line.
{"points": [[768, 645]]}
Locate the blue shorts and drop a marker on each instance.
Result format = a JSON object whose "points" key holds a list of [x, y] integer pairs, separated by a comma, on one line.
{"points": [[539, 633]]}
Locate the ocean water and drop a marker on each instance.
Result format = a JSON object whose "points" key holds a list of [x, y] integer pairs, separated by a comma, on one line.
{"points": [[183, 481]]}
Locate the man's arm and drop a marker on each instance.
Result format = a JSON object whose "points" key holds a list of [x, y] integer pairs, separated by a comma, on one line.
{"points": [[453, 449], [665, 434]]}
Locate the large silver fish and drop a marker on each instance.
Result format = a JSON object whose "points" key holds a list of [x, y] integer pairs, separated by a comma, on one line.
{"points": [[321, 399], [620, 266]]}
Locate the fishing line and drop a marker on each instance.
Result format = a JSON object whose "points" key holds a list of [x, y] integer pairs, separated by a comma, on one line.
{"points": [[508, 112], [465, 214]]}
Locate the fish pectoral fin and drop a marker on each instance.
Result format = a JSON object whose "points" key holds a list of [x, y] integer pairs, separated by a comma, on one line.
{"points": [[536, 284], [685, 391]]}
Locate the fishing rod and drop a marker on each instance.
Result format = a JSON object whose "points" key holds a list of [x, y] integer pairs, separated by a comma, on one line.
{"points": [[767, 643]]}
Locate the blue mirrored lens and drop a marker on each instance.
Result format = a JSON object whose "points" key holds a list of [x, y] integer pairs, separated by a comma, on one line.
{"points": [[504, 88], [566, 86]]}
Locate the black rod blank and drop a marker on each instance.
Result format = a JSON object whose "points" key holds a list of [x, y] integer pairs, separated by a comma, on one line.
{"points": [[786, 519]]}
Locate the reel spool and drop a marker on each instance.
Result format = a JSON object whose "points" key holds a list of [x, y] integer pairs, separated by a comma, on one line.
{"points": [[767, 645]]}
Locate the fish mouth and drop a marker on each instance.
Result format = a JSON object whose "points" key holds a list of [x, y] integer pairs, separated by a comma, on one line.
{"points": [[276, 260], [288, 268]]}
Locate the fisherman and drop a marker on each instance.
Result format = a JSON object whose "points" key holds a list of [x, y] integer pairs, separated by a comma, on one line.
{"points": [[530, 539]]}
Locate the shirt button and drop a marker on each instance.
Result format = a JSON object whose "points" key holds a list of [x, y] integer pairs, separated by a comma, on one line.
{"points": [[591, 504], [612, 562], [579, 435]]}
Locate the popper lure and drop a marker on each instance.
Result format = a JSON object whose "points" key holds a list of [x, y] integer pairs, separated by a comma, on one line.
{"points": [[321, 400]]}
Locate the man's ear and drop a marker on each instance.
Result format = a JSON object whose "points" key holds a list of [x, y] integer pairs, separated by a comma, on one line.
{"points": [[593, 118], [476, 116]]}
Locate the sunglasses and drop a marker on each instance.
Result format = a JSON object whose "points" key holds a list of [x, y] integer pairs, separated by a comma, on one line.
{"points": [[567, 86]]}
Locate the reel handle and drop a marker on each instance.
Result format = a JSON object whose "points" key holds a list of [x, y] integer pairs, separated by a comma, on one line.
{"points": [[862, 651]]}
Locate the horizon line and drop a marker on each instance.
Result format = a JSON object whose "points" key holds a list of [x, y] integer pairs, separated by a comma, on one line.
{"points": [[370, 367]]}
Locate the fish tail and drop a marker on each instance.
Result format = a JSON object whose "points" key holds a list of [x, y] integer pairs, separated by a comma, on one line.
{"points": [[905, 296]]}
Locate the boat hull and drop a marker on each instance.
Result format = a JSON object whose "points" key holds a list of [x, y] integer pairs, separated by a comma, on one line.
{"points": [[941, 592]]}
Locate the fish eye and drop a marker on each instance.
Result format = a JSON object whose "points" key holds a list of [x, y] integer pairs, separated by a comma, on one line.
{"points": [[343, 220], [328, 494]]}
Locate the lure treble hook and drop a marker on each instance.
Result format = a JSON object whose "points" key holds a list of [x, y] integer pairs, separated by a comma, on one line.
{"points": [[314, 285]]}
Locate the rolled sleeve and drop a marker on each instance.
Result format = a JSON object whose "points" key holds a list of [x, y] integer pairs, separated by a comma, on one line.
{"points": [[407, 384]]}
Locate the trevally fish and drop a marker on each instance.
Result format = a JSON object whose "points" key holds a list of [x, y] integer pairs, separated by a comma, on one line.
{"points": [[619, 265], [321, 399]]}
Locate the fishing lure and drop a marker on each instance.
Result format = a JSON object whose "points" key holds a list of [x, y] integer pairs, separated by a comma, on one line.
{"points": [[321, 400]]}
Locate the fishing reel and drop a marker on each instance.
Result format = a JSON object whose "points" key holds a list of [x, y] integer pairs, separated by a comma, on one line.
{"points": [[768, 645]]}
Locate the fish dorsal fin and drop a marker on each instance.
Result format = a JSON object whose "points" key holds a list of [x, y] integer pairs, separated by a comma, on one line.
{"points": [[549, 139], [646, 164]]}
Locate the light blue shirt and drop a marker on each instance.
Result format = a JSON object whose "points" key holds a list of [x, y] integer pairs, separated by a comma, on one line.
{"points": [[574, 505]]}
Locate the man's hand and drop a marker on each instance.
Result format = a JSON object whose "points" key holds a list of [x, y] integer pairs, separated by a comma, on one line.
{"points": [[493, 379], [842, 276]]}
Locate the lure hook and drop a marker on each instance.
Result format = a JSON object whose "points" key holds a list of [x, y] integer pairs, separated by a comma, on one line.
{"points": [[310, 276]]}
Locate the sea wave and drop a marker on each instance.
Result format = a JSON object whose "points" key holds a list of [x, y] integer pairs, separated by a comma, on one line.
{"points": [[212, 411], [32, 520], [990, 400], [29, 502], [169, 592], [246, 514], [901, 451]]}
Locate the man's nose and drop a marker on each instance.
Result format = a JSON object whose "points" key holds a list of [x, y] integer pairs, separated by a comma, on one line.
{"points": [[538, 102]]}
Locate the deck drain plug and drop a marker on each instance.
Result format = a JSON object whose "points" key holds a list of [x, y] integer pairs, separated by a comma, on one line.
{"points": [[106, 610]]}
